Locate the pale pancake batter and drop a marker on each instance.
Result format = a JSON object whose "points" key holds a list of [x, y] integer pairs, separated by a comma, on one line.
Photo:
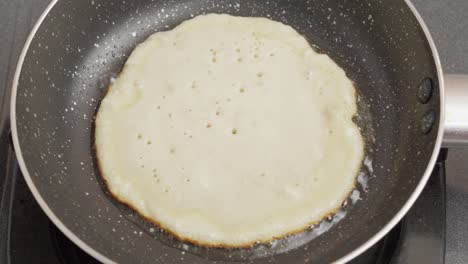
{"points": [[230, 130]]}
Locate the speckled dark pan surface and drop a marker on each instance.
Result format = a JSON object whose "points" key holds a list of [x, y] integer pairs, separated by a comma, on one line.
{"points": [[81, 45]]}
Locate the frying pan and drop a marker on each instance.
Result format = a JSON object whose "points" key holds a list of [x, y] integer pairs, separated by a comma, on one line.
{"points": [[78, 46]]}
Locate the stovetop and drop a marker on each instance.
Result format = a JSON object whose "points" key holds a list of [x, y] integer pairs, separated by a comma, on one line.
{"points": [[421, 237]]}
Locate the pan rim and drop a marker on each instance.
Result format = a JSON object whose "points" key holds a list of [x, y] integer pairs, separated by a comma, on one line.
{"points": [[19, 156], [435, 152], [351, 255]]}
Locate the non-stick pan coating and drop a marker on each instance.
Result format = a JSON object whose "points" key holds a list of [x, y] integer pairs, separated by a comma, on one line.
{"points": [[81, 45]]}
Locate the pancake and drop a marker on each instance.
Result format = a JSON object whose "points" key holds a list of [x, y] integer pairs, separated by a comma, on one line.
{"points": [[227, 131]]}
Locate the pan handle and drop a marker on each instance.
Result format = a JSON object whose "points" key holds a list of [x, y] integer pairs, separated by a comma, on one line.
{"points": [[456, 115], [7, 184]]}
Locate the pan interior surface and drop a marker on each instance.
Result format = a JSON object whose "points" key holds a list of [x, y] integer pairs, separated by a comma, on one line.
{"points": [[82, 45]]}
